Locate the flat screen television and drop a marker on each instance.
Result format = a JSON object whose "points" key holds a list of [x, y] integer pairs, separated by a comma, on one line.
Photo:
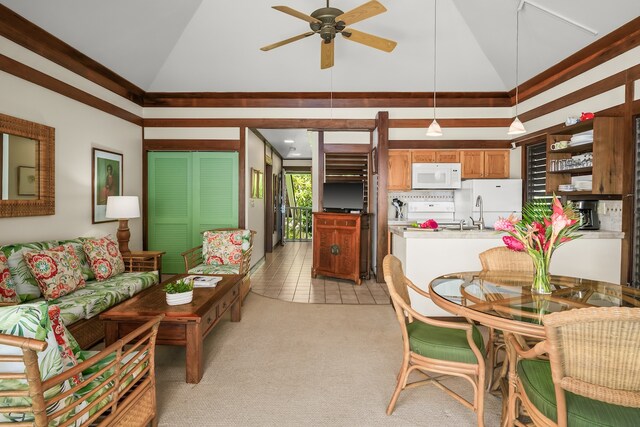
{"points": [[343, 196]]}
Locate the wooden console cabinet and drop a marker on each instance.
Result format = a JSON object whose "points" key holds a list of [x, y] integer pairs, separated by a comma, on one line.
{"points": [[336, 245]]}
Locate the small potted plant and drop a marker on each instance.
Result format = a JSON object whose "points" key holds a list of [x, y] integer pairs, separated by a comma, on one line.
{"points": [[179, 292]]}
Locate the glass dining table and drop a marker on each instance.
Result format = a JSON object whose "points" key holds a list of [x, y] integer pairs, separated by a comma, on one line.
{"points": [[504, 301]]}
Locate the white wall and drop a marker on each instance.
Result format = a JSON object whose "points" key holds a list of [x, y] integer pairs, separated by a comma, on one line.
{"points": [[78, 128], [255, 207]]}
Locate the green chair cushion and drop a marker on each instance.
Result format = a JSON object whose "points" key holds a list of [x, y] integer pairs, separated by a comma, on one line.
{"points": [[443, 343], [215, 269], [535, 376]]}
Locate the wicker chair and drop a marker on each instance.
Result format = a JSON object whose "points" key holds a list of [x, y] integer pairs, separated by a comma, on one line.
{"points": [[501, 259], [592, 376], [443, 347], [193, 258], [122, 377]]}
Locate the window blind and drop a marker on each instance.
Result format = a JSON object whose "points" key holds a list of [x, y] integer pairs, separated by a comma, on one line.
{"points": [[536, 170]]}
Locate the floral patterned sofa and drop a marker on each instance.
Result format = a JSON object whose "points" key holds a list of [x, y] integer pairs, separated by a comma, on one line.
{"points": [[223, 251], [47, 380], [79, 308]]}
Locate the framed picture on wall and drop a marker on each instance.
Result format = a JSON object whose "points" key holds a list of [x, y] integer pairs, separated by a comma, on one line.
{"points": [[374, 161], [106, 180], [257, 184]]}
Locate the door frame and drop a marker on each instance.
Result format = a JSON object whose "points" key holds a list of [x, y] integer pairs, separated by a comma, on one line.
{"points": [[268, 203]]}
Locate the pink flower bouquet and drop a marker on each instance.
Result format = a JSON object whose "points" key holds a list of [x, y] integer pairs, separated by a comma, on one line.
{"points": [[540, 231]]}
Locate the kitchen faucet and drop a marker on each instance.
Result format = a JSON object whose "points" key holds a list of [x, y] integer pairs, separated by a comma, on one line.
{"points": [[480, 222]]}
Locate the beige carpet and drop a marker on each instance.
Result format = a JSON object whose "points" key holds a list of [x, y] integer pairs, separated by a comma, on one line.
{"points": [[304, 364]]}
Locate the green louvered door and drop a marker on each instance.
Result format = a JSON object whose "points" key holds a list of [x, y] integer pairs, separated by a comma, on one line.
{"points": [[189, 193]]}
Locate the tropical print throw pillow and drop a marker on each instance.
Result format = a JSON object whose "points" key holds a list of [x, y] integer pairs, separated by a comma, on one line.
{"points": [[64, 345], [57, 270], [225, 247], [104, 257], [8, 293], [26, 285]]}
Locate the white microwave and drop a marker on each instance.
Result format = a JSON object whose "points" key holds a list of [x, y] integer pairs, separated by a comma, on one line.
{"points": [[435, 175]]}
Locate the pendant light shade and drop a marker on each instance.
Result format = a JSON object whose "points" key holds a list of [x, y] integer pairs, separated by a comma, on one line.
{"points": [[517, 127], [434, 129]]}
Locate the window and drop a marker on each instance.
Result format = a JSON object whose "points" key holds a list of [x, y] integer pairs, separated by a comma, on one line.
{"points": [[536, 169]]}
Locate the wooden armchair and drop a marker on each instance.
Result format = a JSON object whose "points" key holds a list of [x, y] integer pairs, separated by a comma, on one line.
{"points": [[592, 377], [194, 262], [117, 388], [443, 347]]}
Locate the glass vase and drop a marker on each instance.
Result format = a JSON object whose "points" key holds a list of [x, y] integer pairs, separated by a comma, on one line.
{"points": [[541, 281]]}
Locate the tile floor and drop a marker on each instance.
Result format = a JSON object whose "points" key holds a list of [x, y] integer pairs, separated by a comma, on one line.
{"points": [[285, 274]]}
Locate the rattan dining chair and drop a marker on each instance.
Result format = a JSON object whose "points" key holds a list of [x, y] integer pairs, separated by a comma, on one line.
{"points": [[434, 346], [592, 377], [495, 259]]}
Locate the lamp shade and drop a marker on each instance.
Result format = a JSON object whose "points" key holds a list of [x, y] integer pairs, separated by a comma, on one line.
{"points": [[516, 127], [123, 207], [434, 129]]}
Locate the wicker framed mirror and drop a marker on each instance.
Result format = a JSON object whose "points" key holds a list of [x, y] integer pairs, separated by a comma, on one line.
{"points": [[27, 168]]}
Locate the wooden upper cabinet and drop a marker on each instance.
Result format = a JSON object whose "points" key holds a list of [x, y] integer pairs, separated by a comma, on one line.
{"points": [[452, 156], [399, 174], [472, 163], [496, 164], [484, 163], [423, 156]]}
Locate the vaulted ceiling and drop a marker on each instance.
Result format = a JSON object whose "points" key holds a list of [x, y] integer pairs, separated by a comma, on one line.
{"points": [[214, 46]]}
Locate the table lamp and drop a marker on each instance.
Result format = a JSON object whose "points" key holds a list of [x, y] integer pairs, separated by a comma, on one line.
{"points": [[123, 208]]}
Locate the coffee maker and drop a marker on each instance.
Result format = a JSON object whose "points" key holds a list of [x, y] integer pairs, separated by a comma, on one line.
{"points": [[588, 211]]}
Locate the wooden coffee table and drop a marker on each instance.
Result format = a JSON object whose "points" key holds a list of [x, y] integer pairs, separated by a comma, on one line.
{"points": [[184, 325]]}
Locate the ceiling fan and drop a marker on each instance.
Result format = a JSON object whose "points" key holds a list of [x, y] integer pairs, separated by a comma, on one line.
{"points": [[329, 21]]}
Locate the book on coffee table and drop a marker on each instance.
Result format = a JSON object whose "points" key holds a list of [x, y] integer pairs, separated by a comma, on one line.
{"points": [[204, 281]]}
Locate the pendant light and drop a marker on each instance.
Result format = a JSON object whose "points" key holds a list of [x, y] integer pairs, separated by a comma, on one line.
{"points": [[434, 127], [517, 127]]}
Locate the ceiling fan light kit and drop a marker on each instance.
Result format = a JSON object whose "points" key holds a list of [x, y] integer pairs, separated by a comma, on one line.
{"points": [[330, 21]]}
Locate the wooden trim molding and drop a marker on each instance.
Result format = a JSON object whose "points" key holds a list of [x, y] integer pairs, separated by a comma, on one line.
{"points": [[448, 143], [28, 35], [242, 171], [347, 148], [452, 123], [191, 145], [325, 99], [316, 124], [39, 78]]}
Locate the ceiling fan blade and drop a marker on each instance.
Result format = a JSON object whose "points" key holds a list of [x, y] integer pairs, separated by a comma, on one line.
{"points": [[287, 41], [364, 11], [326, 55], [295, 13], [369, 39]]}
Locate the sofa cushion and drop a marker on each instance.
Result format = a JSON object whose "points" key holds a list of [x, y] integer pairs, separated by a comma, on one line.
{"points": [[31, 320], [8, 293], [26, 285], [97, 297], [64, 345], [57, 270], [215, 269], [104, 257], [87, 273], [225, 247]]}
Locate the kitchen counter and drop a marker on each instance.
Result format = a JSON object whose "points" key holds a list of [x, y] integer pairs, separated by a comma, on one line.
{"points": [[402, 231], [426, 255]]}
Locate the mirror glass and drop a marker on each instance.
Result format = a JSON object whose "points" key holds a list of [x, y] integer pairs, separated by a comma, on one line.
{"points": [[27, 168], [18, 167]]}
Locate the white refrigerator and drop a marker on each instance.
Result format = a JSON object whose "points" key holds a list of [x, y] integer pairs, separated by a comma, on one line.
{"points": [[500, 197]]}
